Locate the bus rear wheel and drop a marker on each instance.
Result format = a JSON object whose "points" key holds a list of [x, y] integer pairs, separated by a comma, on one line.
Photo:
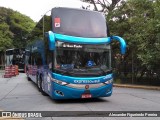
{"points": [[38, 83], [28, 78]]}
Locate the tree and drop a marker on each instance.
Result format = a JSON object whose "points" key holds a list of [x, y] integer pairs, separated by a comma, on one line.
{"points": [[14, 27], [138, 22], [106, 5]]}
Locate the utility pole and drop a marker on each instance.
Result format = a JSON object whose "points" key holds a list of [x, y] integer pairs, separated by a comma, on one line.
{"points": [[43, 22], [132, 68]]}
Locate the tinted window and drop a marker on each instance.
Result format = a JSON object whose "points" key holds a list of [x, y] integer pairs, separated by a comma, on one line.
{"points": [[77, 22], [9, 52]]}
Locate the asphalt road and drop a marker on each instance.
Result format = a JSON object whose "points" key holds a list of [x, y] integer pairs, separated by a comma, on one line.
{"points": [[19, 94]]}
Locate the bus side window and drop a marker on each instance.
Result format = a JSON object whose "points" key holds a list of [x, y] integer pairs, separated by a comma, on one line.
{"points": [[33, 62], [30, 60], [39, 59], [36, 59], [50, 59]]}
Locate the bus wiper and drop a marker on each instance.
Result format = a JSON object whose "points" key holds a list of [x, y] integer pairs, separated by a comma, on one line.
{"points": [[103, 72], [64, 72], [108, 71]]}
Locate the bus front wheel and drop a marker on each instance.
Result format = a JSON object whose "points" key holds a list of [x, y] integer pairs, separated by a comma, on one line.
{"points": [[40, 84]]}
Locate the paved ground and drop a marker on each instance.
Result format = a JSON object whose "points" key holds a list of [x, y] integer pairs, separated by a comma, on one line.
{"points": [[18, 94], [137, 86]]}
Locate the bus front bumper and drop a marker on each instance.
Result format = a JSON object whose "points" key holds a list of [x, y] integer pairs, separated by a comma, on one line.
{"points": [[65, 92]]}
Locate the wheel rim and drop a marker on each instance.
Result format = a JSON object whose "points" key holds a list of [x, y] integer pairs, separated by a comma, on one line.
{"points": [[42, 85], [38, 83], [27, 74]]}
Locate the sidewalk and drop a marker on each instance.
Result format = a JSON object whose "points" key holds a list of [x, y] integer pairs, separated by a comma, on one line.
{"points": [[137, 86]]}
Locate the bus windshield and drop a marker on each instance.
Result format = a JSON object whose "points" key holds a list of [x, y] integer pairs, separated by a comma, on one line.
{"points": [[80, 58], [81, 23]]}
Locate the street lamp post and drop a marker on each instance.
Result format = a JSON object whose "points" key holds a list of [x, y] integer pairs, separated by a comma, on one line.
{"points": [[43, 21]]}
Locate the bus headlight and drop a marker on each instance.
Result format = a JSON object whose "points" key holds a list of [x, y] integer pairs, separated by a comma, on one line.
{"points": [[59, 82], [109, 81]]}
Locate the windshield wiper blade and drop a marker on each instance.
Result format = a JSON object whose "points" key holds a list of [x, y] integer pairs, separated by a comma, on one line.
{"points": [[64, 72], [103, 72]]}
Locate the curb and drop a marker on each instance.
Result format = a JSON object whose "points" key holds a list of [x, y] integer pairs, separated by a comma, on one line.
{"points": [[137, 86]]}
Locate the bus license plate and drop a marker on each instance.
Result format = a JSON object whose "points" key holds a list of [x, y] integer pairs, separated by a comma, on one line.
{"points": [[86, 95]]}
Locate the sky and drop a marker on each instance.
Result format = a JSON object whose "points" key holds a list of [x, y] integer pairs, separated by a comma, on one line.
{"points": [[35, 9]]}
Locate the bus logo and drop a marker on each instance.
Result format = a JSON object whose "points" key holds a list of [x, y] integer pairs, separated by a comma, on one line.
{"points": [[57, 22], [87, 87]]}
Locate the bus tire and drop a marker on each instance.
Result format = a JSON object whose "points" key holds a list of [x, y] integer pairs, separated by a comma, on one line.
{"points": [[38, 83], [28, 78], [41, 87]]}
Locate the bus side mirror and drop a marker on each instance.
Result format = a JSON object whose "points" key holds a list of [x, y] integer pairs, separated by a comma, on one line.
{"points": [[122, 43], [51, 38]]}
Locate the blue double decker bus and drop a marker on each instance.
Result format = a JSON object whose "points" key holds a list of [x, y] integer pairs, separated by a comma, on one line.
{"points": [[70, 54]]}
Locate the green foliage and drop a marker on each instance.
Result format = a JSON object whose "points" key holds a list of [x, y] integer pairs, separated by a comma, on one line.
{"points": [[14, 27], [37, 32], [138, 22]]}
